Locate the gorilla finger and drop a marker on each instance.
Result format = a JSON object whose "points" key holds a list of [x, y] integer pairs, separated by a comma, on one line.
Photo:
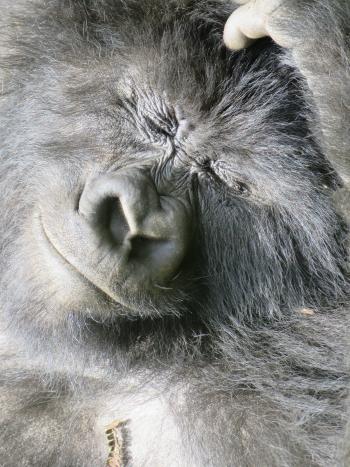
{"points": [[243, 27]]}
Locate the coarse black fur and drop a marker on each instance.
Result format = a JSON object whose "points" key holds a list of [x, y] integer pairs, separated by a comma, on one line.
{"points": [[241, 360]]}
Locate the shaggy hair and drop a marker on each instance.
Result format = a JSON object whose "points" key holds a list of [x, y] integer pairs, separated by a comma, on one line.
{"points": [[242, 361]]}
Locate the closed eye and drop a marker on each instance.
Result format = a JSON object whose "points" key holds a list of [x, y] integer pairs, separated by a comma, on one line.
{"points": [[162, 129], [234, 185]]}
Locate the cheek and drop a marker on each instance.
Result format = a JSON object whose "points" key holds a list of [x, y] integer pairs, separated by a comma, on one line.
{"points": [[59, 185], [32, 272]]}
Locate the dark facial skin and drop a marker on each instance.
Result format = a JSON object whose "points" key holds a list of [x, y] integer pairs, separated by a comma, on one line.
{"points": [[171, 253]]}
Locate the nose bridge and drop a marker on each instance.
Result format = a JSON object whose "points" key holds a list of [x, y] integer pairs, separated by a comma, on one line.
{"points": [[147, 213], [172, 173], [130, 186], [138, 197]]}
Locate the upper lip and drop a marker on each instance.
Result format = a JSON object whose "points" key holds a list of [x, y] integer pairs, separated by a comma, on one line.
{"points": [[70, 265], [104, 291]]}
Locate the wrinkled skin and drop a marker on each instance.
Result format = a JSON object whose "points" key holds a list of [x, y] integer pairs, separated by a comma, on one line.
{"points": [[174, 254]]}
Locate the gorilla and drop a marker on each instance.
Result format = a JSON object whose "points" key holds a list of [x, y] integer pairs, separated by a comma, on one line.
{"points": [[174, 273]]}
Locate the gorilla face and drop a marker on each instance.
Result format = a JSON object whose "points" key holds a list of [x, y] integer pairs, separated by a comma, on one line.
{"points": [[151, 177]]}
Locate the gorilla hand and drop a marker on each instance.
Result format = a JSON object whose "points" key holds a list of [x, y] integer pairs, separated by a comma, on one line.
{"points": [[315, 32], [250, 21]]}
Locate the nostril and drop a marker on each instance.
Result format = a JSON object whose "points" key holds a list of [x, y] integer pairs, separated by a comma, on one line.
{"points": [[142, 247], [112, 220], [147, 237], [150, 250]]}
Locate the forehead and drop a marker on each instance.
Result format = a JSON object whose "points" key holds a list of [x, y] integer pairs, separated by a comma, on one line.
{"points": [[151, 115], [152, 71]]}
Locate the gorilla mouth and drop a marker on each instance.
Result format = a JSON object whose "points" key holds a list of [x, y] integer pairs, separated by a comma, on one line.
{"points": [[124, 308], [56, 252]]}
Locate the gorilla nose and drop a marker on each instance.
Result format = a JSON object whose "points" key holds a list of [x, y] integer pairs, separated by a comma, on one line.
{"points": [[151, 231]]}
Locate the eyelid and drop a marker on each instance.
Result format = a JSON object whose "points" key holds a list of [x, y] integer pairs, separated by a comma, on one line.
{"points": [[214, 169]]}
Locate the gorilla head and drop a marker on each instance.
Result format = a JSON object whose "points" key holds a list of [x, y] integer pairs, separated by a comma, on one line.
{"points": [[158, 188], [153, 173]]}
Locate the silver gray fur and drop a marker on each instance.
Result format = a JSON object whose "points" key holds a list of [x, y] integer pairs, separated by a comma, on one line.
{"points": [[224, 368]]}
